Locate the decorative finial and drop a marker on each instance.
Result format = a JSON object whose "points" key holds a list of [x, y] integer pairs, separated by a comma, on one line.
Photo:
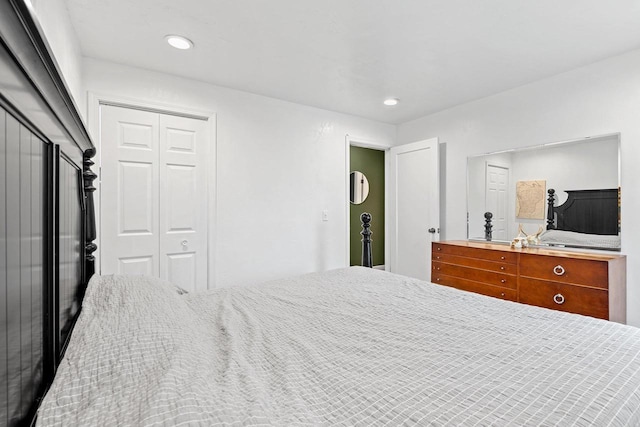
{"points": [[367, 259], [488, 226]]}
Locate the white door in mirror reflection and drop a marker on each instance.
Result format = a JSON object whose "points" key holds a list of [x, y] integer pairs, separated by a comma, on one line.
{"points": [[496, 196], [359, 187]]}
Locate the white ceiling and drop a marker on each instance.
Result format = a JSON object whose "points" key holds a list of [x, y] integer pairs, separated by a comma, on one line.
{"points": [[348, 55]]}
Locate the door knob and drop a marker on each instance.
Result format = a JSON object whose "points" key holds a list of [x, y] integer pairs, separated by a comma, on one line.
{"points": [[431, 230]]}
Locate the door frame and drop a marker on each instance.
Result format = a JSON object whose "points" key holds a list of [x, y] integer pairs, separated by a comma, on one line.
{"points": [[95, 100], [364, 143]]}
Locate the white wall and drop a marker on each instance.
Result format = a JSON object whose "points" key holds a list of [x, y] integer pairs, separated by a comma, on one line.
{"points": [[598, 99], [63, 41], [279, 166]]}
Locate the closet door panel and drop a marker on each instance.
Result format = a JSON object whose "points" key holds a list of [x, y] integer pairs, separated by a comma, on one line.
{"points": [[182, 198], [183, 201], [129, 192], [136, 202]]}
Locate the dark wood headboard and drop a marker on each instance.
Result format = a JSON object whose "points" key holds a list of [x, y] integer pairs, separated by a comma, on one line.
{"points": [[585, 211], [47, 224]]}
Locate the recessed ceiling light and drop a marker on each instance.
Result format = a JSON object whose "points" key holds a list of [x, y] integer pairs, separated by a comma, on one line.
{"points": [[391, 101], [179, 42]]}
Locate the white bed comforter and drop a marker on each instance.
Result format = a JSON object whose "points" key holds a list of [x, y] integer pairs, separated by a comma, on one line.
{"points": [[347, 347], [572, 238]]}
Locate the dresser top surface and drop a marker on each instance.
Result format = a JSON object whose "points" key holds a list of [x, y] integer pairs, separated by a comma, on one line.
{"points": [[534, 250]]}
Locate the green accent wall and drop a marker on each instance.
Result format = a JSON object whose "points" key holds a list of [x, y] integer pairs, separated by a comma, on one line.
{"points": [[371, 164]]}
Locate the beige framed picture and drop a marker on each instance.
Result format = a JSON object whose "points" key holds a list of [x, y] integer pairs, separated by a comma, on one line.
{"points": [[530, 199]]}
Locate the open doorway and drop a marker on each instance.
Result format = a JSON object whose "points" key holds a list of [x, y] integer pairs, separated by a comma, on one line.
{"points": [[411, 203], [366, 193]]}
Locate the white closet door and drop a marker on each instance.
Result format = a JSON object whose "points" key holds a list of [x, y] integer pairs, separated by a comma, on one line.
{"points": [[183, 201], [154, 196], [129, 192]]}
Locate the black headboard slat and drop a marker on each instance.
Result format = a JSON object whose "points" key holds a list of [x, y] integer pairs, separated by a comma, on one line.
{"points": [[23, 252], [71, 249]]}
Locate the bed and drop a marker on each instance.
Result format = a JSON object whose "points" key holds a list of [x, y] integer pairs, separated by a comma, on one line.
{"points": [[588, 218], [351, 346]]}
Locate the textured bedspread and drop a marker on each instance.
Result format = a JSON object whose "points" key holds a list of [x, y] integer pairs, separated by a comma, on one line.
{"points": [[347, 347], [571, 238]]}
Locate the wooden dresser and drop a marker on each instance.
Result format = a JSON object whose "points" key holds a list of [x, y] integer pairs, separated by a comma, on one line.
{"points": [[592, 284]]}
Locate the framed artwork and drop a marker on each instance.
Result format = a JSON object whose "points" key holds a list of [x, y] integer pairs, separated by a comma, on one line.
{"points": [[530, 199]]}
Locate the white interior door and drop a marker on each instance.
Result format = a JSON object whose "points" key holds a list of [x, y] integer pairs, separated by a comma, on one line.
{"points": [[129, 192], [496, 198], [414, 202], [183, 201], [154, 196]]}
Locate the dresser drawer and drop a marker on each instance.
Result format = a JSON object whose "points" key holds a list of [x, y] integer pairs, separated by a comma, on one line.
{"points": [[464, 251], [564, 297], [500, 267], [565, 270], [476, 287], [474, 274]]}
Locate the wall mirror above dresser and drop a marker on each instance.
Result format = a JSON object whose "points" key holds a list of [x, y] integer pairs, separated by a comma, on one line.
{"points": [[571, 189]]}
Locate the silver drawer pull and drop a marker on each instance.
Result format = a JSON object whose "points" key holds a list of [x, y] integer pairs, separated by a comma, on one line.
{"points": [[558, 299], [503, 281], [502, 258], [184, 242], [502, 294], [502, 268], [558, 270], [439, 249]]}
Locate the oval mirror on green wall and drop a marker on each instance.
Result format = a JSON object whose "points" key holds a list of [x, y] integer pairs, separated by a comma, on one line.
{"points": [[359, 186]]}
